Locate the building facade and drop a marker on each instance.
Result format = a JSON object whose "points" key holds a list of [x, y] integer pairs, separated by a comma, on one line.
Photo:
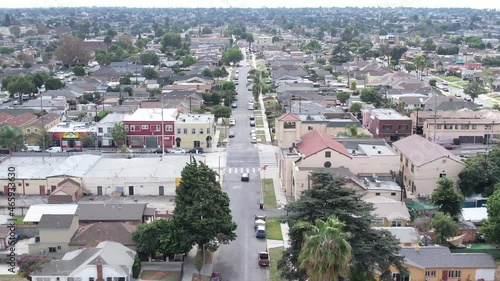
{"points": [[144, 127], [194, 130], [387, 123], [69, 135], [104, 128]]}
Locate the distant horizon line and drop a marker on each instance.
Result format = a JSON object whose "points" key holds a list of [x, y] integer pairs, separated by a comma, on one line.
{"points": [[256, 8]]}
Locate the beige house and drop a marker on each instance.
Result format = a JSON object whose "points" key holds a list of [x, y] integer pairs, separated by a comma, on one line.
{"points": [[389, 212], [194, 130], [407, 236], [192, 84], [422, 163], [54, 234], [290, 127], [316, 150], [469, 126]]}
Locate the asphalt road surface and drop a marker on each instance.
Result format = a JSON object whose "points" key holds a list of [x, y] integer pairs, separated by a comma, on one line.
{"points": [[238, 260]]}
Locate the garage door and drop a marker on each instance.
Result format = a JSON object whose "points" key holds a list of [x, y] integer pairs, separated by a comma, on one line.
{"points": [[152, 142], [466, 139]]}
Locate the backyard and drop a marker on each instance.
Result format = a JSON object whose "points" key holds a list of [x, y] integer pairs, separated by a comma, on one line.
{"points": [[160, 275]]}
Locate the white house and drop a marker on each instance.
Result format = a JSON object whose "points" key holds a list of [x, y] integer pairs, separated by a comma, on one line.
{"points": [[105, 126], [107, 261]]}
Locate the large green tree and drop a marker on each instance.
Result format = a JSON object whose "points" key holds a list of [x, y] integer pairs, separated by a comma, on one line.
{"points": [[474, 90], [150, 58], [491, 227], [148, 236], [202, 215], [420, 62], [11, 138], [351, 131], [373, 249], [232, 55], [325, 254], [447, 198], [444, 227], [480, 174]]}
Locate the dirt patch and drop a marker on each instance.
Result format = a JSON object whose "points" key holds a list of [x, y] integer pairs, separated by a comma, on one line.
{"points": [[160, 275], [196, 277], [497, 272]]}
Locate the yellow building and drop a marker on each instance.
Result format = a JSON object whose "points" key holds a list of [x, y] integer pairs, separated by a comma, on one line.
{"points": [[32, 129], [436, 263], [389, 212], [54, 234], [194, 130]]}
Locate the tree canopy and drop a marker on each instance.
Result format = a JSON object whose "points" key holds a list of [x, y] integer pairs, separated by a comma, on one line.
{"points": [[474, 90], [328, 196], [447, 198], [491, 228], [480, 174], [232, 55], [444, 227], [72, 51]]}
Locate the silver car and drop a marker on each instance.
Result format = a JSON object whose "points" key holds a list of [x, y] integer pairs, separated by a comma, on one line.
{"points": [[177, 150]]}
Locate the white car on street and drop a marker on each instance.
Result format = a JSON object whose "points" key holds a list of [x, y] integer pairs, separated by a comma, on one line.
{"points": [[177, 150], [253, 139]]}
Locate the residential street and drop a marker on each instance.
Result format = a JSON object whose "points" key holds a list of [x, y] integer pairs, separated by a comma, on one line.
{"points": [[238, 260]]}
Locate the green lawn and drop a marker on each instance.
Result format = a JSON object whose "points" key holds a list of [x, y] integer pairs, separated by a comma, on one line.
{"points": [[269, 195], [480, 246], [19, 219], [271, 105], [273, 229], [259, 122], [276, 254], [463, 84], [451, 78]]}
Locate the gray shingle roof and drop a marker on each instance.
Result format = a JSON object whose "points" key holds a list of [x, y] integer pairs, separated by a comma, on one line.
{"points": [[55, 221], [441, 257], [421, 151], [110, 212]]}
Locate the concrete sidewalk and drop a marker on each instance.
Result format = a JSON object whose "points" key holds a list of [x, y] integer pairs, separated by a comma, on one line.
{"points": [[190, 268]]}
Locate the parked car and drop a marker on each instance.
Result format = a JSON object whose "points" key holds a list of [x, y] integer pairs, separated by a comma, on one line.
{"points": [[245, 177], [231, 134], [232, 122], [215, 277], [177, 150], [74, 150], [159, 151], [252, 123], [445, 83], [450, 146], [196, 150], [234, 105], [259, 220], [143, 151], [252, 117], [252, 132], [446, 89], [478, 103], [263, 258], [54, 149], [253, 139], [32, 148], [260, 232], [253, 135]]}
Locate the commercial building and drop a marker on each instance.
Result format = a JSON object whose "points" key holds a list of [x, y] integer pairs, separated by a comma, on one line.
{"points": [[387, 123], [105, 126], [144, 127], [69, 135], [194, 130]]}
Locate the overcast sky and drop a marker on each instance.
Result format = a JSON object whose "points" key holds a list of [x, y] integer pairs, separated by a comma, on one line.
{"points": [[478, 4]]}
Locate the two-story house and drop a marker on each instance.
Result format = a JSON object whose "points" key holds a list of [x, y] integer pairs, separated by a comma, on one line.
{"points": [[107, 261], [317, 150], [33, 129], [54, 234], [387, 123], [105, 126], [422, 163], [144, 127], [194, 130]]}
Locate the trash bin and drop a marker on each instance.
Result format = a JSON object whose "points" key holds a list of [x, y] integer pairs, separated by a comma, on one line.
{"points": [[261, 206]]}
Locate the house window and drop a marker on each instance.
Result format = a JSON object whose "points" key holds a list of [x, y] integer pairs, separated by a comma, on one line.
{"points": [[185, 131], [487, 127], [109, 130], [36, 130], [52, 249], [289, 125], [396, 223], [158, 127], [309, 128], [28, 131], [144, 127], [378, 221], [208, 131], [169, 128], [454, 274], [393, 193], [474, 127], [412, 168], [27, 184], [401, 158], [179, 131], [193, 131], [132, 128], [437, 126], [430, 273], [403, 127], [442, 175], [91, 279], [201, 131], [456, 127], [448, 127], [109, 279], [328, 154], [406, 162], [377, 194], [59, 247], [465, 127], [386, 127], [398, 277], [100, 130]]}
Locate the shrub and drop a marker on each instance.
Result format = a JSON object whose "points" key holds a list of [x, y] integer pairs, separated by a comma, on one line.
{"points": [[136, 268], [456, 141]]}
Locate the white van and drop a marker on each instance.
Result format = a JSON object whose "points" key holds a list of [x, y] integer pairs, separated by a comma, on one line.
{"points": [[32, 148], [250, 106], [54, 149]]}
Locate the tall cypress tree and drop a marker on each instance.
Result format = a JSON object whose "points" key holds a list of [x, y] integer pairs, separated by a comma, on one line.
{"points": [[373, 250], [202, 213]]}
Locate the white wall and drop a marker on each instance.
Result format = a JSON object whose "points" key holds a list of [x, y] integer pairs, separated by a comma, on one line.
{"points": [[91, 271], [486, 274], [142, 186]]}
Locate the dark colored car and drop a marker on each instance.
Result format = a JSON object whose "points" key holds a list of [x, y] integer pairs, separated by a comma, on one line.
{"points": [[263, 258], [73, 150], [196, 150], [215, 277], [143, 151], [245, 177], [158, 151]]}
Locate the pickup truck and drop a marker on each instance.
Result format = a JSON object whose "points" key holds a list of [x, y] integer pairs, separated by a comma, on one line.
{"points": [[264, 258]]}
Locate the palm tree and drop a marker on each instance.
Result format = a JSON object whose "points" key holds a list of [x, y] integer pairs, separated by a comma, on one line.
{"points": [[419, 62], [258, 85], [351, 131], [325, 252], [11, 138]]}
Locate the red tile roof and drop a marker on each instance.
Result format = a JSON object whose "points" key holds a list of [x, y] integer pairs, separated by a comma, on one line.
{"points": [[4, 117], [20, 120], [288, 117], [315, 141]]}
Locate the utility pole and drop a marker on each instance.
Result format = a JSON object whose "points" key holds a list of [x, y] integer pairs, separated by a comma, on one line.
{"points": [[435, 116], [162, 130], [43, 127], [220, 175]]}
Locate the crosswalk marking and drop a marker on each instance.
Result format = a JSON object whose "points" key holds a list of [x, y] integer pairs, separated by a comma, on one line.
{"points": [[233, 170]]}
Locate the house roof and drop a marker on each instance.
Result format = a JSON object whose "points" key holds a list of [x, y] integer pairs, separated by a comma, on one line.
{"points": [[315, 141], [441, 257], [114, 254], [35, 212], [22, 119], [75, 166], [55, 221], [102, 231], [421, 151], [403, 234], [389, 208], [110, 212]]}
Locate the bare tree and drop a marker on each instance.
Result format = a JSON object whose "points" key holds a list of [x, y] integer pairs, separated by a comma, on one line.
{"points": [[72, 51]]}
